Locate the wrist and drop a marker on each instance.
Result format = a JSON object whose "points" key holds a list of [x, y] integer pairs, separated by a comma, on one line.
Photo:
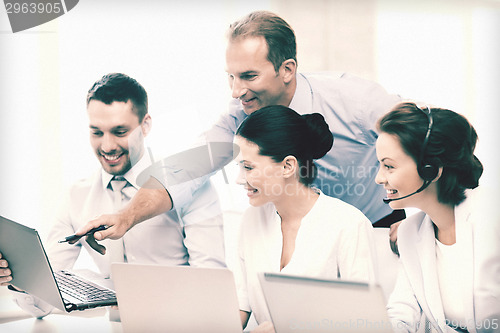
{"points": [[128, 219]]}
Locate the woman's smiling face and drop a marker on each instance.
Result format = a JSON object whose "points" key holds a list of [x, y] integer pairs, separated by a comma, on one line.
{"points": [[260, 175], [398, 171]]}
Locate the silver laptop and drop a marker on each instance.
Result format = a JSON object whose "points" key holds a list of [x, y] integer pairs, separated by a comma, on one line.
{"points": [[31, 271], [156, 298], [299, 304]]}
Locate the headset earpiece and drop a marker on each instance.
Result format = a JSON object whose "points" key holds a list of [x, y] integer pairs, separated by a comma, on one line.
{"points": [[427, 172]]}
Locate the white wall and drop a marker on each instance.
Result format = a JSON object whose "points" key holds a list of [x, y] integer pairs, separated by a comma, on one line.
{"points": [[174, 49], [444, 55]]}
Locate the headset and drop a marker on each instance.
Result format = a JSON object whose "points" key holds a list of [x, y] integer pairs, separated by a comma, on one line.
{"points": [[428, 172]]}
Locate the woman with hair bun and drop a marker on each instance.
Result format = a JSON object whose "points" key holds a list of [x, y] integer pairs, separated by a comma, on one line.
{"points": [[292, 227], [449, 252]]}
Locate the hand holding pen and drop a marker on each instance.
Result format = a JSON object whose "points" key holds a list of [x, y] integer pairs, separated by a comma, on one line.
{"points": [[116, 225], [71, 239], [89, 238]]}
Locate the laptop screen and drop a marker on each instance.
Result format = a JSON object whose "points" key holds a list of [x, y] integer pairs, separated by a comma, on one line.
{"points": [[31, 270], [301, 304]]}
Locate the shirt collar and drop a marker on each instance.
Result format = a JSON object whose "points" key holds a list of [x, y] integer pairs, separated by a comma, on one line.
{"points": [[303, 97], [131, 175], [313, 208]]}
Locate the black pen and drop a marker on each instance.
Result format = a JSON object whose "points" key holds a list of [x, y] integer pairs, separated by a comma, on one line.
{"points": [[76, 237]]}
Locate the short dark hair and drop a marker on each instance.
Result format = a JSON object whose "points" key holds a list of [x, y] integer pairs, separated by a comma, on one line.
{"points": [[279, 36], [279, 131], [451, 146], [120, 88]]}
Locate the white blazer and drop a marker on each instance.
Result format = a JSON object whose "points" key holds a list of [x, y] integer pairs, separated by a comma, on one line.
{"points": [[417, 287]]}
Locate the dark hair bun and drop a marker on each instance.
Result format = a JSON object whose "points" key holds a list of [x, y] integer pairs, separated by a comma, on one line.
{"points": [[280, 131], [470, 177], [318, 140]]}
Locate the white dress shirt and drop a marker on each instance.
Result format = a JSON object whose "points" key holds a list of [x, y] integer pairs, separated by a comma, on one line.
{"points": [[334, 240], [162, 239], [193, 237], [417, 289], [448, 259]]}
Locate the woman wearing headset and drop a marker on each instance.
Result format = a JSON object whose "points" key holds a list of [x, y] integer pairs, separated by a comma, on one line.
{"points": [[449, 252]]}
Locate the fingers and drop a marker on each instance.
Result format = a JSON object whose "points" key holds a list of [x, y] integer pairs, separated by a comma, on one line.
{"points": [[5, 276], [91, 225], [3, 263], [100, 235], [5, 272], [96, 246], [394, 247], [111, 221], [393, 237], [393, 229], [393, 232], [116, 227]]}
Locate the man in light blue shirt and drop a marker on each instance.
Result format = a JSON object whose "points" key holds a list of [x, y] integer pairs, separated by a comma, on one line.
{"points": [[261, 65], [351, 109]]}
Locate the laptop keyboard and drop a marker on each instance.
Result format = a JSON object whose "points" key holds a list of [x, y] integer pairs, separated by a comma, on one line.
{"points": [[82, 290]]}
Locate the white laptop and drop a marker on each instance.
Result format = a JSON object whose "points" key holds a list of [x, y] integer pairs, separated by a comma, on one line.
{"points": [[299, 304], [157, 298], [31, 271]]}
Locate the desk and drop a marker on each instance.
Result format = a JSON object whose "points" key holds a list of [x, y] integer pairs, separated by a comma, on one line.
{"points": [[94, 320], [15, 320], [9, 311], [86, 321]]}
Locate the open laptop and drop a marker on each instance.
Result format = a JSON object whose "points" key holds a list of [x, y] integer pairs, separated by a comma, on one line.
{"points": [[157, 298], [299, 304], [31, 271]]}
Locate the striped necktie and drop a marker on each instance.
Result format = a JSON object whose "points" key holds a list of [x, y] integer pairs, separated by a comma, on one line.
{"points": [[116, 246]]}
